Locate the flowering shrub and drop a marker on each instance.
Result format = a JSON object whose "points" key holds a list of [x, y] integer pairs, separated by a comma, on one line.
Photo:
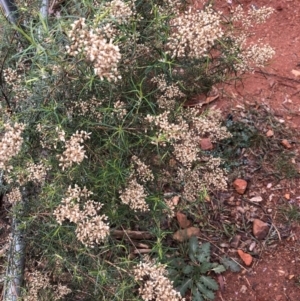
{"points": [[94, 100]]}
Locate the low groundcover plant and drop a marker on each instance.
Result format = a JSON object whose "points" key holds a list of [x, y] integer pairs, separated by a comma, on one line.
{"points": [[95, 128]]}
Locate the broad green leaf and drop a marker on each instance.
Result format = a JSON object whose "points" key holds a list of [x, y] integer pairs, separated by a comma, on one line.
{"points": [[187, 269], [204, 252], [219, 269], [207, 293], [230, 264], [209, 282], [192, 257], [193, 245], [187, 284], [197, 296], [205, 267]]}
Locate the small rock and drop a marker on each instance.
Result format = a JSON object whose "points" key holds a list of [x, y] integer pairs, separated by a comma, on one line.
{"points": [[260, 229], [240, 186], [296, 72], [286, 144], [235, 241], [205, 144], [247, 258], [182, 220], [185, 234], [256, 199], [252, 246], [270, 133], [269, 185], [243, 289]]}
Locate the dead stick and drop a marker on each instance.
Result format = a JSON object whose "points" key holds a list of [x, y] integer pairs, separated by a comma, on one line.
{"points": [[131, 234]]}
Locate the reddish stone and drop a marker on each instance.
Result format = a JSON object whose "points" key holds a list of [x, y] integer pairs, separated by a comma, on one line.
{"points": [[240, 186], [286, 144], [247, 258], [260, 229]]}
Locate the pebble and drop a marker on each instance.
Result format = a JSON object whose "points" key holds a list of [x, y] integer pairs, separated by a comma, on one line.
{"points": [[270, 133], [247, 258], [252, 246], [286, 144], [240, 186], [269, 185], [260, 229], [256, 199]]}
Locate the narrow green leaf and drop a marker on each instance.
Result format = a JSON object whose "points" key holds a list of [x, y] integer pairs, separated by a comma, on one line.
{"points": [[209, 282]]}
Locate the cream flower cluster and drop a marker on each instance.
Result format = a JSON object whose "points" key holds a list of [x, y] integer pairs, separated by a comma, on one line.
{"points": [[15, 80], [194, 33], [168, 95], [120, 10], [88, 107], [36, 172], [143, 171], [37, 281], [74, 152], [14, 196], [254, 56], [134, 196], [209, 175], [91, 227], [154, 285], [253, 15], [102, 54], [11, 143], [184, 135], [120, 109]]}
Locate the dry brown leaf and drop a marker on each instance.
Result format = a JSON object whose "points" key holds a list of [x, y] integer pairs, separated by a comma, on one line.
{"points": [[185, 234], [182, 220], [211, 99]]}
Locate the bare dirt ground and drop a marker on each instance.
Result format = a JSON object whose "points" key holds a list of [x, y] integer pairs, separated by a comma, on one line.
{"points": [[275, 272]]}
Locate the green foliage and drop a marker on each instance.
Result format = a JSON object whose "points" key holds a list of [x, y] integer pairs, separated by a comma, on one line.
{"points": [[230, 264], [195, 274], [59, 92]]}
